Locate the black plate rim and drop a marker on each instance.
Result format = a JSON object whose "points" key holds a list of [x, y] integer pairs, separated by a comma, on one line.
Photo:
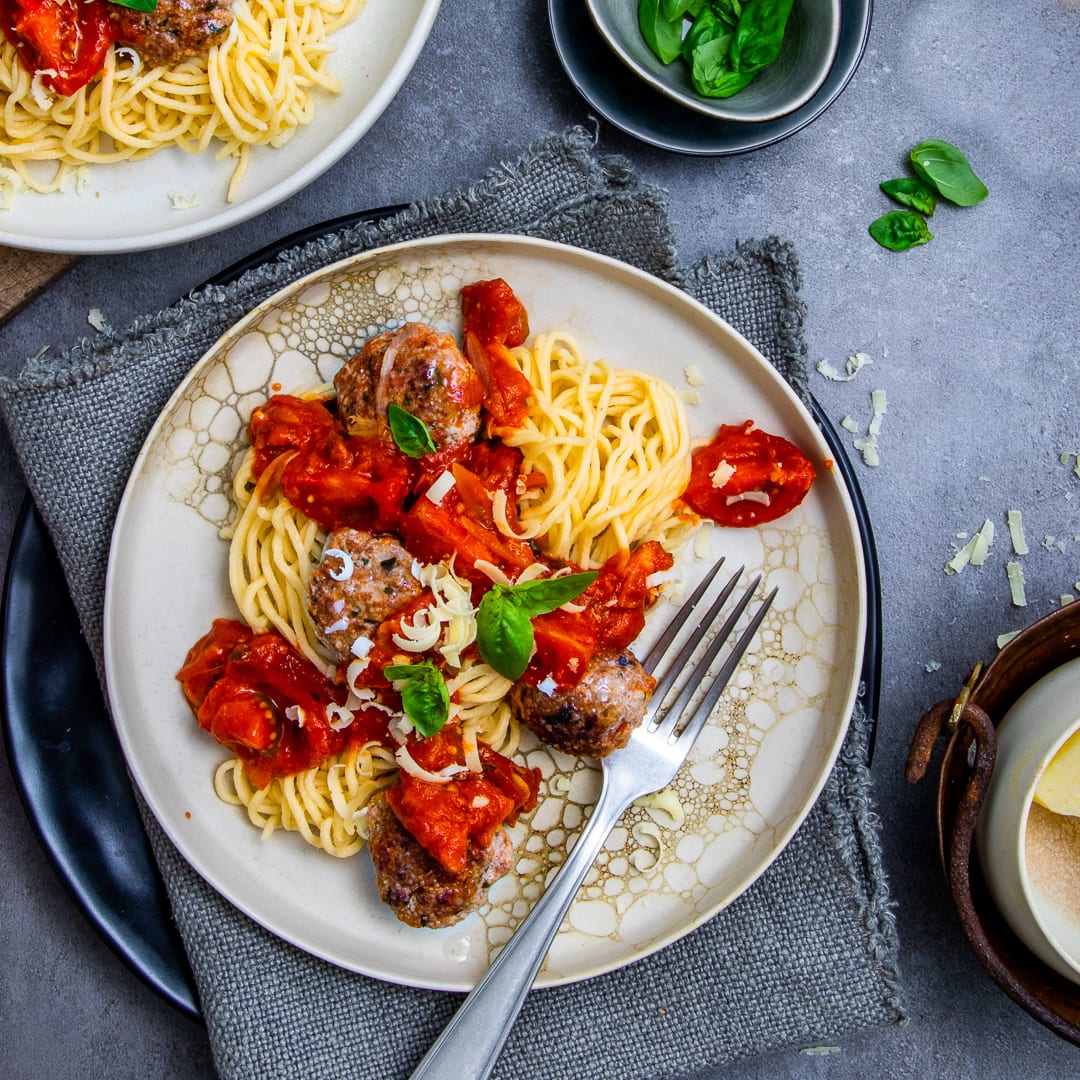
{"points": [[167, 972], [683, 130]]}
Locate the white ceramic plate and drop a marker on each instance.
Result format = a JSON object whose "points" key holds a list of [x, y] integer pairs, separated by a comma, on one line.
{"points": [[127, 206], [756, 770]]}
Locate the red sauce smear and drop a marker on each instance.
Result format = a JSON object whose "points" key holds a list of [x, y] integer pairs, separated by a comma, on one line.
{"points": [[771, 477]]}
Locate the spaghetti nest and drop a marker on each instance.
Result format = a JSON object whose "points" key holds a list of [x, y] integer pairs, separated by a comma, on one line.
{"points": [[255, 88], [614, 445]]}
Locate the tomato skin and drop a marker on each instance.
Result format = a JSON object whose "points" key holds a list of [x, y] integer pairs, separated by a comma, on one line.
{"points": [[240, 685], [68, 37], [762, 462], [494, 313], [334, 479], [443, 818]]}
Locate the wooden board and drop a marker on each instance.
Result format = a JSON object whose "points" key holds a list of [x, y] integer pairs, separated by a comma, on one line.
{"points": [[25, 274]]}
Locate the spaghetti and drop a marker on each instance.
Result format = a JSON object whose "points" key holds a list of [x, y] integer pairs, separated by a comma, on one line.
{"points": [[255, 88], [614, 446]]}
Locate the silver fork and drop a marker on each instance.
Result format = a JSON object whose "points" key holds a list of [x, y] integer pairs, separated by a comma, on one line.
{"points": [[470, 1044]]}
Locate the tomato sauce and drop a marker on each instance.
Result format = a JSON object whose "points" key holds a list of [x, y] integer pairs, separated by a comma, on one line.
{"points": [[747, 477]]}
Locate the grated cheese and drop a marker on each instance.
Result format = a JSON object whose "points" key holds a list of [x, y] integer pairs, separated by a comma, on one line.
{"points": [[1015, 574], [693, 376], [438, 491], [722, 474], [852, 366], [347, 565], [1016, 532]]}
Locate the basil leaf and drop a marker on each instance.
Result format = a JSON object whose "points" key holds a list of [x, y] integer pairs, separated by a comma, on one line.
{"points": [[712, 75], [546, 594], [913, 193], [944, 167], [424, 696], [727, 10], [662, 35], [706, 27], [410, 433], [674, 9], [759, 34], [504, 633], [136, 5], [900, 230]]}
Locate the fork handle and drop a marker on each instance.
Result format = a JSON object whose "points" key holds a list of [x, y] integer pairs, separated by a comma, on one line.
{"points": [[470, 1044]]}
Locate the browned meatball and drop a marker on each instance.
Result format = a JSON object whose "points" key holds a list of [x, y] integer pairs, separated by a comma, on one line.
{"points": [[598, 715], [174, 30], [418, 368], [418, 889], [363, 578]]}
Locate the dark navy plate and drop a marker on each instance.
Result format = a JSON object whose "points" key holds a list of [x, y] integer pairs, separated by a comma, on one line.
{"points": [[66, 759], [611, 88]]}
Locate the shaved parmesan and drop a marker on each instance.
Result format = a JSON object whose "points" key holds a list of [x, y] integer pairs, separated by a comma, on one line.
{"points": [[852, 366], [1016, 532], [693, 376], [1015, 574], [277, 41], [761, 497], [722, 474], [867, 445], [1075, 455], [42, 95], [182, 201], [338, 716], [688, 397], [410, 765], [437, 492], [97, 320], [547, 686], [1004, 639], [974, 551], [849, 423], [347, 565]]}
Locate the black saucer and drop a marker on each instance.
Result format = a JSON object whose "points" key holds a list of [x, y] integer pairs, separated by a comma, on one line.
{"points": [[616, 93]]}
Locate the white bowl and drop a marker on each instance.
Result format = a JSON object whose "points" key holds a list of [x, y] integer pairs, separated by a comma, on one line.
{"points": [[789, 82], [1029, 735]]}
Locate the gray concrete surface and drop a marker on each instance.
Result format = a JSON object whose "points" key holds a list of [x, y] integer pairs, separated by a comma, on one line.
{"points": [[973, 337]]}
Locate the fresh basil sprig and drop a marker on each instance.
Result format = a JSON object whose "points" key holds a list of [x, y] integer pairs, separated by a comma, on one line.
{"points": [[424, 696], [504, 630], [136, 5], [945, 167], [900, 230], [410, 433]]}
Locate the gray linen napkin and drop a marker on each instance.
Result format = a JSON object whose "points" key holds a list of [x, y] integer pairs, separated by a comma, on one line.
{"points": [[809, 953]]}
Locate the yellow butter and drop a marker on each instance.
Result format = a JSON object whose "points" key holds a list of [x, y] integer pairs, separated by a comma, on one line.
{"points": [[1059, 786]]}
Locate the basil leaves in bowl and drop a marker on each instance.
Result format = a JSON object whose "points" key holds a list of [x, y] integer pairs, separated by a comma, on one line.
{"points": [[739, 60]]}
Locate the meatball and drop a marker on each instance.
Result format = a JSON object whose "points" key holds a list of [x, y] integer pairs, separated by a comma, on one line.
{"points": [[363, 578], [418, 368], [418, 889], [598, 715], [173, 31]]}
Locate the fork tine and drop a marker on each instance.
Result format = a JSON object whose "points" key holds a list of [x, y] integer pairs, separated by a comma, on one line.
{"points": [[690, 687], [675, 667], [705, 707], [656, 653]]}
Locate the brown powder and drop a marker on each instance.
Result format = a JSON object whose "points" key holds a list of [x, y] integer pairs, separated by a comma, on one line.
{"points": [[1053, 858]]}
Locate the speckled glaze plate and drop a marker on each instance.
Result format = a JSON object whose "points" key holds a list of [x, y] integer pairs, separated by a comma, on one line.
{"points": [[127, 206], [756, 771]]}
